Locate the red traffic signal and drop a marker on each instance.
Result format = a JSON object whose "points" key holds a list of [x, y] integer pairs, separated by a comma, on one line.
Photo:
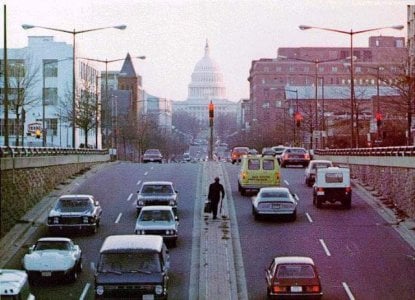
{"points": [[298, 118], [211, 110], [378, 118]]}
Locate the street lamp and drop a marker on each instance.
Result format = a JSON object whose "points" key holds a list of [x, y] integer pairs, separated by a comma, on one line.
{"points": [[74, 33], [106, 61], [351, 33]]}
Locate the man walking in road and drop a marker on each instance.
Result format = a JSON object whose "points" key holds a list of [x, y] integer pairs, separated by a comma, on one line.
{"points": [[214, 196]]}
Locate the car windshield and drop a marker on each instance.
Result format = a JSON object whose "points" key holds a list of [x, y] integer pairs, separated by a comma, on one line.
{"points": [[152, 152], [156, 215], [141, 262], [295, 271], [74, 205], [52, 245], [157, 189]]}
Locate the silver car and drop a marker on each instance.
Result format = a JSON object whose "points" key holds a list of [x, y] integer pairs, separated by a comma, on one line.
{"points": [[158, 220], [274, 201], [311, 170], [157, 193]]}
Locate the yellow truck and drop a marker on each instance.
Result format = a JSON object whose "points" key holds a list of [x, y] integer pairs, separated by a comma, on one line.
{"points": [[258, 171]]}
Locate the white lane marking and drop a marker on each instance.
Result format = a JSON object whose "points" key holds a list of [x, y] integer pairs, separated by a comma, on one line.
{"points": [[145, 174], [286, 182], [348, 291], [118, 218], [309, 218], [138, 182], [85, 291], [129, 197], [323, 244]]}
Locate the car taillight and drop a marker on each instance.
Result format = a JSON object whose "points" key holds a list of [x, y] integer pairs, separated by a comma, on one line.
{"points": [[279, 289], [312, 288], [307, 156], [348, 189], [244, 175], [320, 189], [277, 176]]}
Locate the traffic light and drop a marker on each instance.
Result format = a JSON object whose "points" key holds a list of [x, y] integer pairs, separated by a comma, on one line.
{"points": [[38, 133], [379, 119], [298, 118], [211, 110]]}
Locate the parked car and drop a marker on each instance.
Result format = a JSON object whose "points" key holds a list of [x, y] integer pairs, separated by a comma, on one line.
{"points": [[258, 171], [274, 201], [332, 185], [252, 151], [293, 277], [14, 284], [53, 258], [75, 212], [158, 220], [294, 156], [186, 157], [157, 193], [132, 267], [310, 171], [278, 151], [237, 152], [152, 155]]}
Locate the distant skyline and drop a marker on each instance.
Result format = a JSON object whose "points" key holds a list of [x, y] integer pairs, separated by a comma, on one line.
{"points": [[172, 34]]}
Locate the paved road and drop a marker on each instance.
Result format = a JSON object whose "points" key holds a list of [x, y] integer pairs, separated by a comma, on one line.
{"points": [[360, 254]]}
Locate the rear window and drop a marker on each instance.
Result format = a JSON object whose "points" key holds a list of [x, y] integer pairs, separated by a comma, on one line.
{"points": [[254, 164], [295, 150], [295, 271], [279, 194], [334, 177], [268, 164]]}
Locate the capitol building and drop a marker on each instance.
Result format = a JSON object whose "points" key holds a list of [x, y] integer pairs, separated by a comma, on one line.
{"points": [[206, 85]]}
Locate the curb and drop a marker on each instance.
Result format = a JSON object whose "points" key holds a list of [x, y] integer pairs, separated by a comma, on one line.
{"points": [[36, 217], [405, 227]]}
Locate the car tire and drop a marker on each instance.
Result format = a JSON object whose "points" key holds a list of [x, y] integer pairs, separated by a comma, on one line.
{"points": [[94, 229], [243, 192], [347, 203], [80, 266], [73, 275], [318, 202], [282, 165], [294, 216]]}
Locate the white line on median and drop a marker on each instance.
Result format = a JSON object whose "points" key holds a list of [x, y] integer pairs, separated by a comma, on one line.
{"points": [[286, 182], [348, 291], [145, 174], [85, 291], [309, 218], [129, 197], [138, 182], [323, 244], [118, 218]]}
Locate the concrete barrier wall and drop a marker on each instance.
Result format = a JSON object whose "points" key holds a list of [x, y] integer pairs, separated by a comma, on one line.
{"points": [[26, 180], [392, 179]]}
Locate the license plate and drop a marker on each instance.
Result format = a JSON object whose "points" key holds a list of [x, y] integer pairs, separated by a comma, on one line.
{"points": [[320, 193], [296, 289], [148, 297], [275, 206], [46, 274]]}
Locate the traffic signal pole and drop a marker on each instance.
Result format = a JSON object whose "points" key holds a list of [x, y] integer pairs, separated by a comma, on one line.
{"points": [[211, 116]]}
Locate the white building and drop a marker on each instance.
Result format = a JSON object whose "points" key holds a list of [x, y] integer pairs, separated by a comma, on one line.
{"points": [[44, 70], [206, 85]]}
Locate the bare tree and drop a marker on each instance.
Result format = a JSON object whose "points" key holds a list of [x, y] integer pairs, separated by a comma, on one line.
{"points": [[22, 80]]}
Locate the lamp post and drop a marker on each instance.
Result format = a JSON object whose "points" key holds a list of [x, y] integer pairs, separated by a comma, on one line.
{"points": [[74, 33], [6, 83], [106, 61], [351, 33]]}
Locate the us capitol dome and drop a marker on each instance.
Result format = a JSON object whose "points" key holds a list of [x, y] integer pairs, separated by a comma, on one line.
{"points": [[207, 79]]}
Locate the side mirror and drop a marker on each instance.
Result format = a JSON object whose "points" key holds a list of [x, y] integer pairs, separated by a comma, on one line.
{"points": [[176, 218], [96, 203], [31, 248]]}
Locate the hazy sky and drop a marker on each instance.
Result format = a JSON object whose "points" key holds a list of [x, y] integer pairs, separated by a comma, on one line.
{"points": [[172, 34]]}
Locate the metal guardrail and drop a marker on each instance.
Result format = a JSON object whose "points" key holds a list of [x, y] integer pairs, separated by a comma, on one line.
{"points": [[8, 151], [376, 151]]}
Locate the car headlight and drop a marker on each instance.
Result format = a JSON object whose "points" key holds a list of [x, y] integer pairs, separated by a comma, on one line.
{"points": [[140, 232], [85, 220], [158, 289], [172, 202], [100, 290], [56, 220], [140, 202]]}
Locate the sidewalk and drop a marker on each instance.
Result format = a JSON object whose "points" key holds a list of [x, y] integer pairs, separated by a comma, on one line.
{"points": [[221, 274]]}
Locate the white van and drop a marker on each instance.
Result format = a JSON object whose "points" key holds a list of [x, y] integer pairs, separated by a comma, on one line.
{"points": [[14, 285]]}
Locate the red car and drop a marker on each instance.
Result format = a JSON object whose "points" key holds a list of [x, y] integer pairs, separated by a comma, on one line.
{"points": [[237, 152], [293, 277]]}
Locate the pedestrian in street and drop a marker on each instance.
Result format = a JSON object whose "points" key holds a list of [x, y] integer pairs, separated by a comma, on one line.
{"points": [[216, 193]]}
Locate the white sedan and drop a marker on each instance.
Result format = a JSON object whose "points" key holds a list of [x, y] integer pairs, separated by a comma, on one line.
{"points": [[274, 201], [53, 258]]}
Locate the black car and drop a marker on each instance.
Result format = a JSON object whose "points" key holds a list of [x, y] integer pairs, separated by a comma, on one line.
{"points": [[294, 156], [76, 212], [157, 193]]}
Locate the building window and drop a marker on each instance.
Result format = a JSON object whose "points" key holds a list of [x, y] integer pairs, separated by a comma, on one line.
{"points": [[266, 69], [291, 69], [278, 69], [358, 69], [367, 55], [13, 128], [16, 68], [50, 68], [51, 96], [334, 69], [399, 43]]}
